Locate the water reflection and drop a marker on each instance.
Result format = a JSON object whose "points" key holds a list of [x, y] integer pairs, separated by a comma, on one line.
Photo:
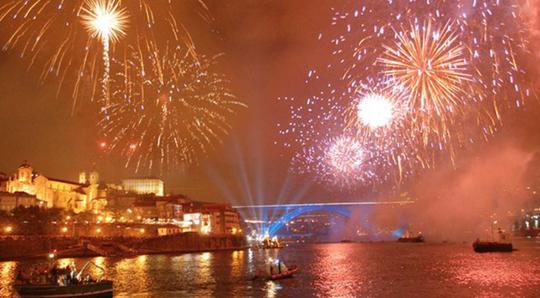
{"points": [[272, 289], [237, 263], [330, 270], [8, 271], [496, 273], [335, 273]]}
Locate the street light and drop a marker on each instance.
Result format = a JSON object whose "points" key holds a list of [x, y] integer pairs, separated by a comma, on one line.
{"points": [[8, 229]]}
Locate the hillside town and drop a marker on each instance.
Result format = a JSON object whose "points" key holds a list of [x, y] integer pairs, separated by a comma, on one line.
{"points": [[137, 207]]}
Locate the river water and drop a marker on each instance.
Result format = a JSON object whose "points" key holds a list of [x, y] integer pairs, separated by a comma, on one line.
{"points": [[326, 270]]}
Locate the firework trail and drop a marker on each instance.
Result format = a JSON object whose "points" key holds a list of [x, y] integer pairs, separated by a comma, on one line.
{"points": [[455, 65], [168, 109], [105, 20], [59, 36]]}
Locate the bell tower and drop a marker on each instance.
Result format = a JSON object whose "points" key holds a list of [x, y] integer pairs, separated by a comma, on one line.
{"points": [[93, 177], [82, 178], [24, 172]]}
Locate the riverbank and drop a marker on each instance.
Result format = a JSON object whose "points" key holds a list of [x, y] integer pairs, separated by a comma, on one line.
{"points": [[13, 248]]}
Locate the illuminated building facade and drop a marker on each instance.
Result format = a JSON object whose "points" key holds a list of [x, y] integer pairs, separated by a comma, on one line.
{"points": [[57, 193], [144, 186], [10, 201], [225, 220], [199, 222]]}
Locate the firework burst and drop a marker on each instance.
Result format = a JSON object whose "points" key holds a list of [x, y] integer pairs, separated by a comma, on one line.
{"points": [[375, 110], [457, 66], [377, 107], [432, 65], [169, 109], [340, 162], [105, 20], [345, 155], [72, 41]]}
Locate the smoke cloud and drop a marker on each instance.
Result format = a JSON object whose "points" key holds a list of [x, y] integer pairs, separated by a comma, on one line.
{"points": [[460, 204]]}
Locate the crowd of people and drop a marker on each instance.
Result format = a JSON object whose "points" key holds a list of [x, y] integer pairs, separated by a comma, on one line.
{"points": [[52, 274]]}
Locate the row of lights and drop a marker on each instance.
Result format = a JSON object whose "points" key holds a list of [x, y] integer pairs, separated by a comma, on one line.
{"points": [[9, 229]]}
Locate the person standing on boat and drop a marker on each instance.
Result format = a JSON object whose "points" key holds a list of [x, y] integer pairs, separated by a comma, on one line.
{"points": [[53, 274], [282, 267], [73, 274]]}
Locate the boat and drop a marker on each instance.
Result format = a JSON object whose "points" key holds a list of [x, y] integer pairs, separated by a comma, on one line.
{"points": [[271, 243], [412, 239], [102, 288], [286, 274], [503, 244], [492, 246]]}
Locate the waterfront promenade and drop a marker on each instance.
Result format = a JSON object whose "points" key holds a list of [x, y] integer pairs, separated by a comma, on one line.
{"points": [[41, 247]]}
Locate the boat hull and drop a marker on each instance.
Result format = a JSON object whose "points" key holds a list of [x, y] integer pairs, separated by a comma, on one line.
{"points": [[482, 247], [418, 239], [99, 289], [290, 273]]}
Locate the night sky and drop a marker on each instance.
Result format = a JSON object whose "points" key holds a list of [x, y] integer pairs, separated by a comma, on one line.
{"points": [[268, 49]]}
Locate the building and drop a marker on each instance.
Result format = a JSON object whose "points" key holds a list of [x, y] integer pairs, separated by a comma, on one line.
{"points": [[160, 209], [199, 222], [144, 186], [10, 201], [225, 219], [168, 230], [58, 193], [3, 181]]}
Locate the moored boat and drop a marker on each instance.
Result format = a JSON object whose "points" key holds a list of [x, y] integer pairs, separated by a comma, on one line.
{"points": [[102, 288], [503, 244], [492, 246], [412, 239]]}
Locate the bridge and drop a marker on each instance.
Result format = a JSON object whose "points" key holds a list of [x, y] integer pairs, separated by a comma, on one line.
{"points": [[271, 218]]}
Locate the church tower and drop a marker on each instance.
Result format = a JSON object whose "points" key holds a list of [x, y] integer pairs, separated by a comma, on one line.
{"points": [[82, 178], [93, 177], [24, 172]]}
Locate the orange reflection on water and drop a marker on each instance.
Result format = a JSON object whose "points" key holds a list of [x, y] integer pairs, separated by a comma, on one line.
{"points": [[334, 275], [7, 274], [237, 263], [205, 267], [495, 274], [272, 289]]}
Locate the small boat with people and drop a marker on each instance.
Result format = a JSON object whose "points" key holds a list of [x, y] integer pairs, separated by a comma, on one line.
{"points": [[276, 270], [288, 273], [62, 282], [103, 288]]}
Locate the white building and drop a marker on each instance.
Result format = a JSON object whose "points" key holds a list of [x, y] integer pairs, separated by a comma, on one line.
{"points": [[144, 186]]}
